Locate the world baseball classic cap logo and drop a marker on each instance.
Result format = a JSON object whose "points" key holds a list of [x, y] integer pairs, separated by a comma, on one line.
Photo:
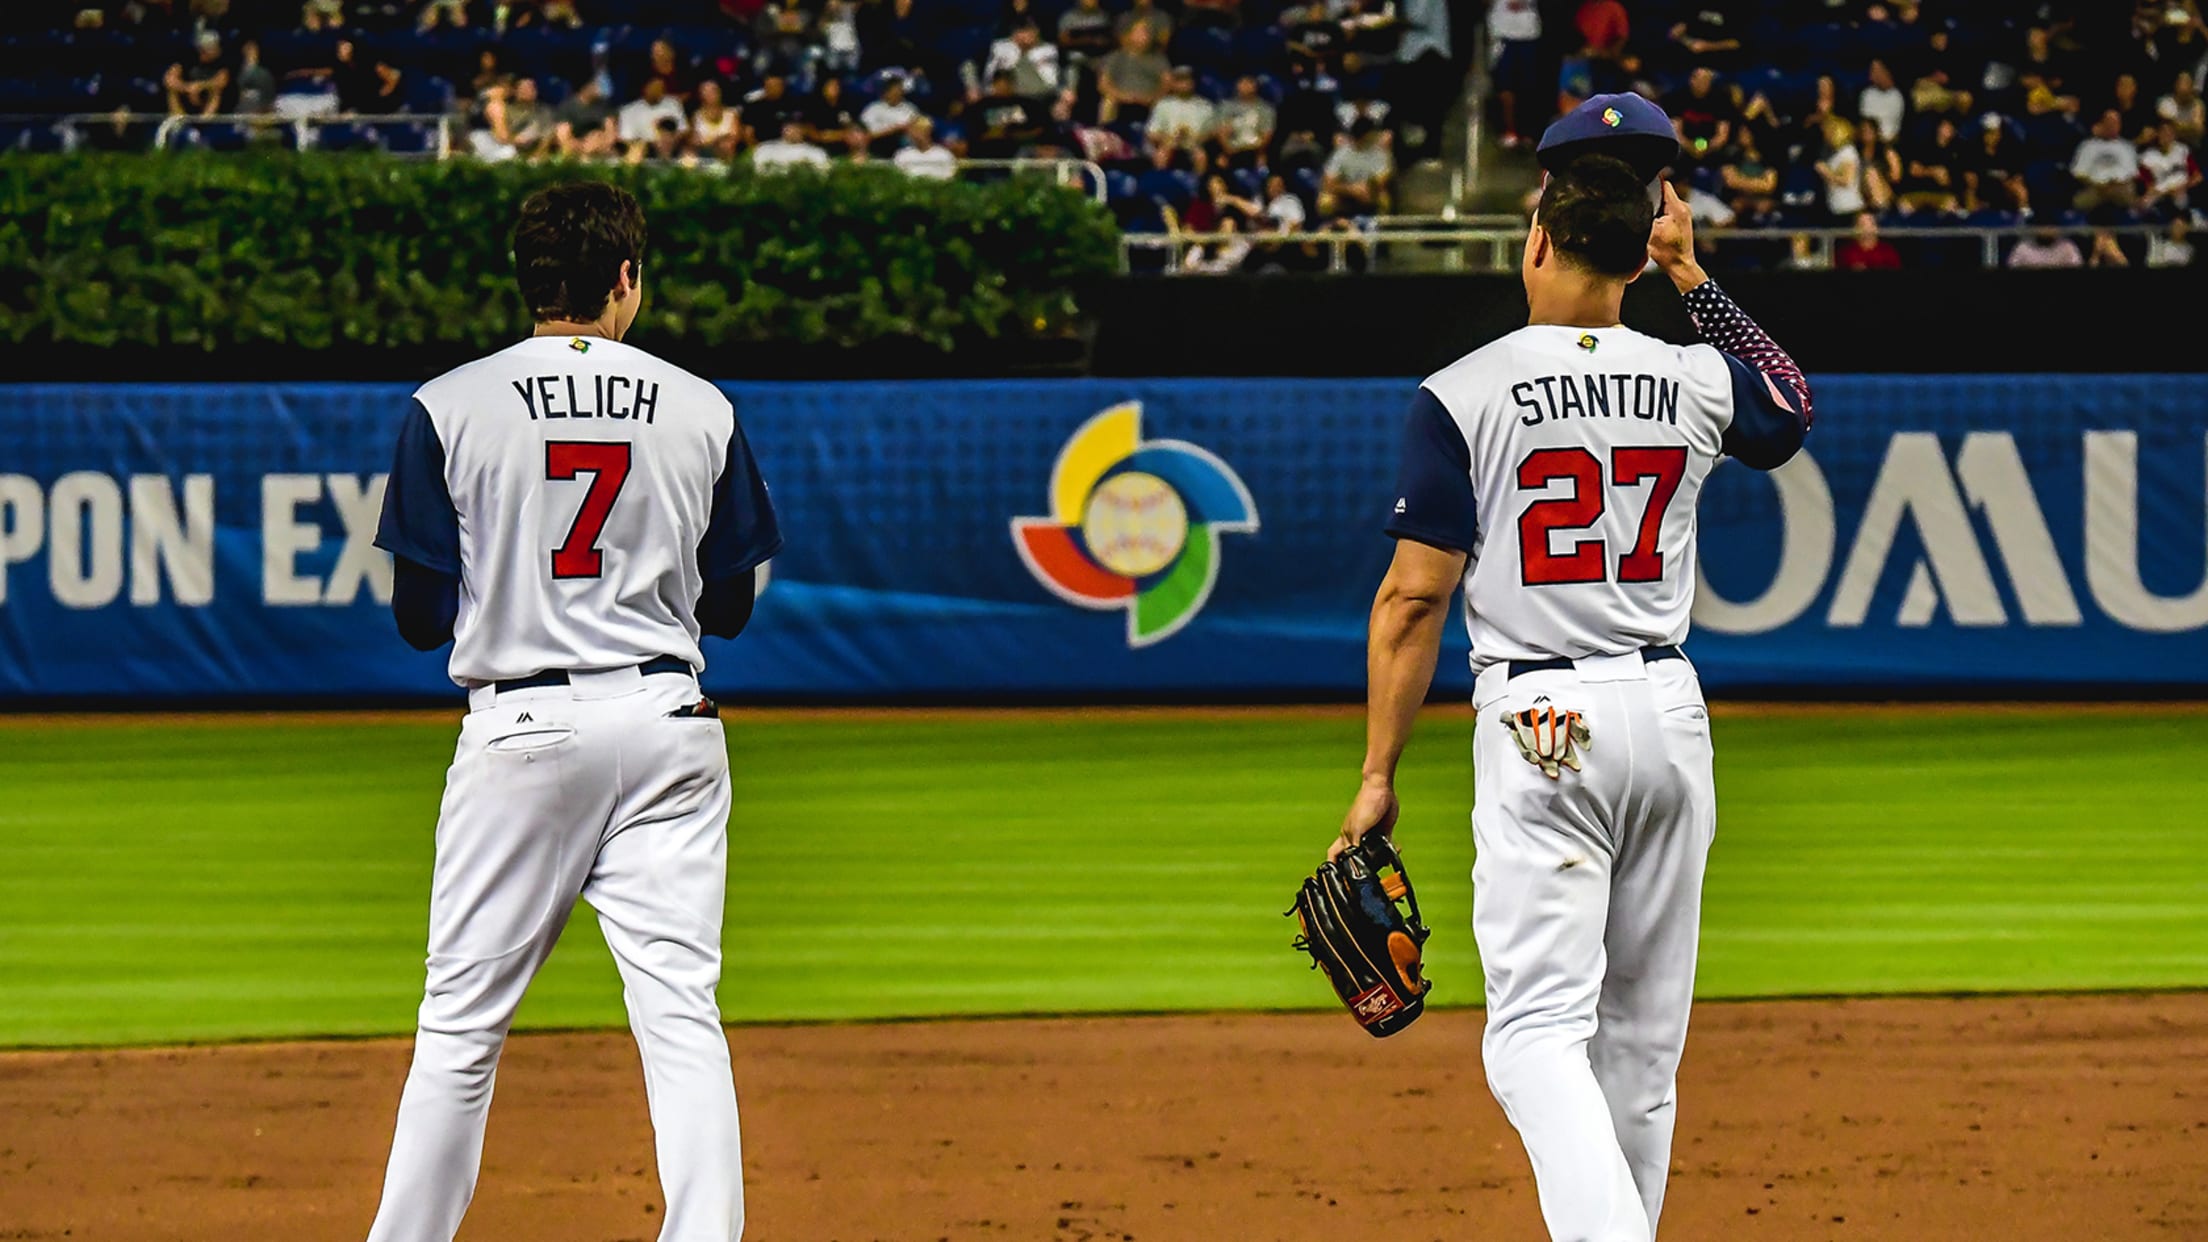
{"points": [[1134, 524]]}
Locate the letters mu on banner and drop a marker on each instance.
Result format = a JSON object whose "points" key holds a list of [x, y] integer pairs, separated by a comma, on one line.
{"points": [[1173, 539]]}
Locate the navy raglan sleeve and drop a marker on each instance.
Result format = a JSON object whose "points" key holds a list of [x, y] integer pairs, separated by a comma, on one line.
{"points": [[742, 532], [1772, 414], [419, 523], [1434, 501]]}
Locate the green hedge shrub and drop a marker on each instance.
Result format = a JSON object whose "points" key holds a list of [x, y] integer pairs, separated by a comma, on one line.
{"points": [[316, 251]]}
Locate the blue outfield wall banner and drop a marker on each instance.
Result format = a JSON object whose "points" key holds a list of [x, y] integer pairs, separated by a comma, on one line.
{"points": [[1126, 538]]}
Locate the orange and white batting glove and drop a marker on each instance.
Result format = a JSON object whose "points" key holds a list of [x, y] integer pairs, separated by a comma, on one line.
{"points": [[1548, 736]]}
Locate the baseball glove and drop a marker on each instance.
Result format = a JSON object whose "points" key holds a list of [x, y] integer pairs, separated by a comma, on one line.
{"points": [[1361, 926]]}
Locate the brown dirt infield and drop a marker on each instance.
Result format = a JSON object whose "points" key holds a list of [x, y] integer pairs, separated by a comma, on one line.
{"points": [[2018, 1119]]}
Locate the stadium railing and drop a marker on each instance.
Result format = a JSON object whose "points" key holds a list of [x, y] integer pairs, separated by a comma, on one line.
{"points": [[1484, 244], [1084, 175], [402, 135]]}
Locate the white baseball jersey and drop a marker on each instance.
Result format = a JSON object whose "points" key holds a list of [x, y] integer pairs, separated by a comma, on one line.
{"points": [[583, 492], [1566, 462]]}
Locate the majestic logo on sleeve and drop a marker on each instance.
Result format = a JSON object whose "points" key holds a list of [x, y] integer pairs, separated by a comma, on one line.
{"points": [[1134, 524]]}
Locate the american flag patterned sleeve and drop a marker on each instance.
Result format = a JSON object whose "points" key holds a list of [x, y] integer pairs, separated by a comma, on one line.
{"points": [[1722, 323]]}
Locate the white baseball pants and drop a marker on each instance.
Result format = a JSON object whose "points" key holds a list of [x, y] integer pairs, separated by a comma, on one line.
{"points": [[592, 790], [1587, 904]]}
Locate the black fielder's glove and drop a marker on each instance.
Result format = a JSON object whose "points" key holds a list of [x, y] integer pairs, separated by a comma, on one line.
{"points": [[1361, 926]]}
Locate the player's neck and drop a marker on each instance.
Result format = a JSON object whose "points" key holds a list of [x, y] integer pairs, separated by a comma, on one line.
{"points": [[602, 327], [1576, 302]]}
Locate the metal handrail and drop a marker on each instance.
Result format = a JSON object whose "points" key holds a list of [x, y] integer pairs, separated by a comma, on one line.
{"points": [[1504, 243], [1069, 172], [303, 127]]}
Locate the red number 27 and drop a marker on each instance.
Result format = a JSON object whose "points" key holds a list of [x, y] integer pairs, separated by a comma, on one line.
{"points": [[607, 464], [1588, 560]]}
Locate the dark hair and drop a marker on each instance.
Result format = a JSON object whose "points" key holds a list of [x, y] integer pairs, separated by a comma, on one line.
{"points": [[1597, 213], [569, 245]]}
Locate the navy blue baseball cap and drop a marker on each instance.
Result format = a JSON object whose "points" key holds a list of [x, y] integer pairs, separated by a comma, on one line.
{"points": [[1626, 126]]}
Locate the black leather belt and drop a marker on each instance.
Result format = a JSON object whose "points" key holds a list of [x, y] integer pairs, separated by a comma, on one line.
{"points": [[1519, 668], [558, 676]]}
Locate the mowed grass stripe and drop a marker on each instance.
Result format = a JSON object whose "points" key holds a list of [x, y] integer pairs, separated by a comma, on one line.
{"points": [[258, 876]]}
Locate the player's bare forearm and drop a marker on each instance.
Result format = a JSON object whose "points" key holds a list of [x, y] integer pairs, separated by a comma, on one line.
{"points": [[1401, 646]]}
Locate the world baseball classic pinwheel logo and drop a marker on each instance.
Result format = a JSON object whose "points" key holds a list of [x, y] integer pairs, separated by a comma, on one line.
{"points": [[1134, 524]]}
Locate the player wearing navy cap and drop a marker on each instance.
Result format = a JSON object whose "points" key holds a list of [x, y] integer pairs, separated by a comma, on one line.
{"points": [[1626, 127], [1554, 475]]}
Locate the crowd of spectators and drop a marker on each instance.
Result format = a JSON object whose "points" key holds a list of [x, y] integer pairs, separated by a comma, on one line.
{"points": [[2074, 118], [1250, 115]]}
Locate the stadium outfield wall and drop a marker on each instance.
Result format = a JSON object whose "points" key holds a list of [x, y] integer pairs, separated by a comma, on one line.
{"points": [[1160, 540]]}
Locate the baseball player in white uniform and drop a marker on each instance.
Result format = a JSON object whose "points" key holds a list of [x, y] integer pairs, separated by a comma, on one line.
{"points": [[571, 513], [1554, 474]]}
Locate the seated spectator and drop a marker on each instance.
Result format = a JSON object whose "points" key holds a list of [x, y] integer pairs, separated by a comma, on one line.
{"points": [[790, 151], [396, 94], [2106, 167], [586, 126], [715, 128], [1705, 114], [1245, 124], [320, 15], [887, 120], [1008, 122], [200, 86], [1708, 36], [2045, 248], [1514, 28], [1866, 251], [2174, 248], [2184, 108], [1932, 177], [523, 14], [1217, 258], [784, 40], [1842, 170], [1217, 202], [2136, 117], [356, 81], [770, 108], [922, 156], [670, 143], [515, 123], [829, 123], [1032, 63], [1751, 184], [256, 85], [1943, 78], [488, 73], [1359, 177], [1316, 38], [1183, 118], [1085, 33], [841, 50], [1284, 212], [1803, 254], [638, 122], [2168, 173], [1131, 79], [667, 69], [1604, 28], [2106, 251], [1993, 171], [1881, 168], [1145, 13], [1882, 105]]}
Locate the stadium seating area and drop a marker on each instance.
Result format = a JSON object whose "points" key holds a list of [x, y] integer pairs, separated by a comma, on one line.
{"points": [[1298, 109], [1888, 116]]}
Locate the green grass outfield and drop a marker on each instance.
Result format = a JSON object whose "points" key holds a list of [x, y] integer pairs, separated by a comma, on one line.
{"points": [[212, 877]]}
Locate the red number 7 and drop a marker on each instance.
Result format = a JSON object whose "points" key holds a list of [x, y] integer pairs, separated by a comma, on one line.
{"points": [[607, 462]]}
